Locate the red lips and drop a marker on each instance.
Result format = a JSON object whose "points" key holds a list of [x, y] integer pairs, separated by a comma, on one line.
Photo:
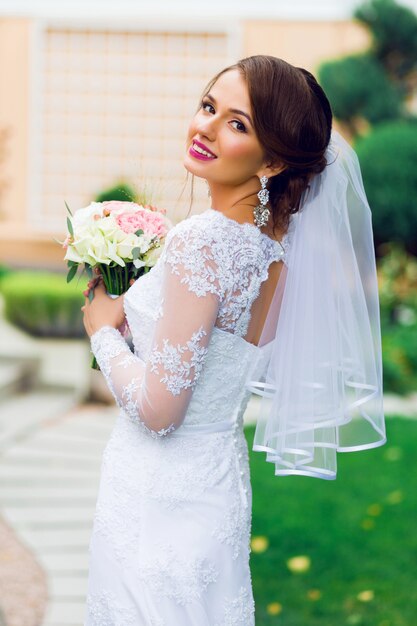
{"points": [[203, 147]]}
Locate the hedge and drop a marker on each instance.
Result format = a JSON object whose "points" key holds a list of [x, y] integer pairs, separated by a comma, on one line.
{"points": [[43, 304], [388, 157]]}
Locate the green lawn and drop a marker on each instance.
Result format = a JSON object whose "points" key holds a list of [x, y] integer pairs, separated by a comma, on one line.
{"points": [[359, 534]]}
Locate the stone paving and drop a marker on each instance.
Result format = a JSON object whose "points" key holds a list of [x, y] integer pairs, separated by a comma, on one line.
{"points": [[48, 490]]}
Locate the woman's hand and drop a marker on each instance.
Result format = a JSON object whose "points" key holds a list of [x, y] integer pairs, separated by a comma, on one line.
{"points": [[102, 310]]}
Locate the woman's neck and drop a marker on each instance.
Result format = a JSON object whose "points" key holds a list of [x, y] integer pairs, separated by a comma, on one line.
{"points": [[238, 204], [235, 202]]}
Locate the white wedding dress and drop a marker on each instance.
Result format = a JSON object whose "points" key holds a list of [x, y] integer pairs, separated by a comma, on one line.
{"points": [[170, 544]]}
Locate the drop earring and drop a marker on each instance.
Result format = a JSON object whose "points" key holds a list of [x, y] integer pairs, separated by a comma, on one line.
{"points": [[261, 212], [208, 190]]}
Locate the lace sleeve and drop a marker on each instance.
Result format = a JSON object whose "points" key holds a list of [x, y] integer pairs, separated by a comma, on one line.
{"points": [[157, 393]]}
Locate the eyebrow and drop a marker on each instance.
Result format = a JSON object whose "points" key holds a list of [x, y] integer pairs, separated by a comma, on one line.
{"points": [[238, 111]]}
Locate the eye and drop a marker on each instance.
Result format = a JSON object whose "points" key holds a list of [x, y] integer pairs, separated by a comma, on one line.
{"points": [[239, 126], [205, 104]]}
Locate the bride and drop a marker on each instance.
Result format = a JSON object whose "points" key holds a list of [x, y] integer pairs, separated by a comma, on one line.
{"points": [[170, 544]]}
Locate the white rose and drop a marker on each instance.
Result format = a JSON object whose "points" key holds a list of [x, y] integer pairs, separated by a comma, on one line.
{"points": [[82, 244], [113, 254], [99, 249], [152, 256], [108, 226], [125, 245], [86, 215], [72, 255]]}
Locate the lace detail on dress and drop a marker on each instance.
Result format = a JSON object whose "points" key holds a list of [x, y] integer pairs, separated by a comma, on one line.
{"points": [[240, 611], [198, 467], [218, 255], [104, 610], [181, 580], [107, 344], [193, 255], [178, 372], [233, 527]]}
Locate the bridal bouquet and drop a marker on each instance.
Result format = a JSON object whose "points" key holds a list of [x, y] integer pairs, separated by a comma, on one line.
{"points": [[121, 241]]}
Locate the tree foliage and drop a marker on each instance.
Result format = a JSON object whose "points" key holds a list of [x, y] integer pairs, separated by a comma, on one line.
{"points": [[394, 38], [373, 87], [354, 85]]}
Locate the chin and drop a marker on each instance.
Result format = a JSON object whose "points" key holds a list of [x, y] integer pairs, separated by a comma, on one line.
{"points": [[192, 167]]}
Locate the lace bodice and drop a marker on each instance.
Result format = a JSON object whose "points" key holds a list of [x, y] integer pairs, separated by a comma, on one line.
{"points": [[188, 317]]}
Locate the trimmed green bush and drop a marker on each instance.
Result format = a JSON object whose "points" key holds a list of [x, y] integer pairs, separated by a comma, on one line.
{"points": [[358, 87], [388, 158], [43, 304], [121, 192], [4, 270]]}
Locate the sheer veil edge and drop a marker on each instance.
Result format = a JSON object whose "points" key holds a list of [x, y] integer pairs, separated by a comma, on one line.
{"points": [[320, 356]]}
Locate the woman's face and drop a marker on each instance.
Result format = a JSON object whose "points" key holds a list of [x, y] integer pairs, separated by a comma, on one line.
{"points": [[222, 146]]}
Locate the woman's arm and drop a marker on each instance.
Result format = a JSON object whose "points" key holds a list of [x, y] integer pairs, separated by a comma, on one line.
{"points": [[157, 393]]}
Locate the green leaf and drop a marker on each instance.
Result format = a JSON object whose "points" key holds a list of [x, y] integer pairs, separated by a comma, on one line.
{"points": [[70, 229], [71, 263], [91, 295], [72, 273], [68, 209], [139, 232], [135, 253], [89, 270]]}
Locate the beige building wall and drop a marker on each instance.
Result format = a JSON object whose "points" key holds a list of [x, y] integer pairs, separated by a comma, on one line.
{"points": [[36, 182], [14, 119], [304, 44]]}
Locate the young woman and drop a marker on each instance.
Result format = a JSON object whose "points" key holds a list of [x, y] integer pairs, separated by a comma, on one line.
{"points": [[243, 296]]}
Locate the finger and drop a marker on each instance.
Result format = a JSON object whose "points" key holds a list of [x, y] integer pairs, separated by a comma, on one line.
{"points": [[94, 281], [100, 287]]}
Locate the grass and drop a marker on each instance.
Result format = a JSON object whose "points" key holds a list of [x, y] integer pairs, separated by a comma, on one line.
{"points": [[358, 535]]}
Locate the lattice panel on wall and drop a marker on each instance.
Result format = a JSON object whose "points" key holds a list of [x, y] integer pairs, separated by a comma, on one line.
{"points": [[116, 105]]}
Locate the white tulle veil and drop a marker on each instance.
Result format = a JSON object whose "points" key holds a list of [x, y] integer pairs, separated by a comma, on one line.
{"points": [[320, 348]]}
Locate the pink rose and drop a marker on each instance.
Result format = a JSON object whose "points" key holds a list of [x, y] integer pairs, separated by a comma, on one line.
{"points": [[152, 223]]}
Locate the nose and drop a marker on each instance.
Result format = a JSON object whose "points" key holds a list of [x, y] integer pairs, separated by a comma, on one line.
{"points": [[206, 127]]}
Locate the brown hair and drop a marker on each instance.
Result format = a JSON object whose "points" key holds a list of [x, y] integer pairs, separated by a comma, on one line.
{"points": [[293, 121]]}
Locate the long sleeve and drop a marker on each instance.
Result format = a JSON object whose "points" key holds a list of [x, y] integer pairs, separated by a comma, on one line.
{"points": [[156, 394]]}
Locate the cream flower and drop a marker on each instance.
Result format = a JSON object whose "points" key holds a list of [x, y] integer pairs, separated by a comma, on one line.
{"points": [[152, 256], [299, 564]]}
